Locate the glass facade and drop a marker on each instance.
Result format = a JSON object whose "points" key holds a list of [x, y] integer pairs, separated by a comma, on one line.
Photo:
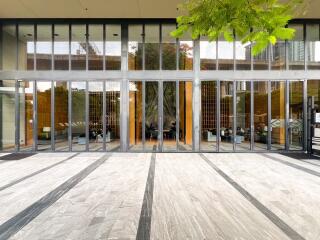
{"points": [[163, 94]]}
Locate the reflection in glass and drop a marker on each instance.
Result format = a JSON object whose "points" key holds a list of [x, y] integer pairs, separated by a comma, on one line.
{"points": [[135, 116], [208, 116], [185, 53], [313, 46], [261, 61], [296, 49], [185, 116], [95, 116], [44, 115], [26, 115], [113, 116], [314, 91], [61, 120], [26, 47], [208, 54], [169, 48], [7, 115], [152, 47], [95, 47], [135, 47], [78, 47], [243, 55], [243, 133], [9, 47], [61, 47], [225, 55], [151, 111], [113, 47], [44, 47], [169, 116], [278, 130], [278, 56], [260, 115], [226, 115], [295, 133], [78, 121]]}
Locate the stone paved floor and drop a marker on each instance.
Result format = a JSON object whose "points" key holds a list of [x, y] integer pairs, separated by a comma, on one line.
{"points": [[160, 196]]}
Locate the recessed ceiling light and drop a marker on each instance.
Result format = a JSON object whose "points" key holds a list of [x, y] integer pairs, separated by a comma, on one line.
{"points": [[115, 34], [29, 34]]}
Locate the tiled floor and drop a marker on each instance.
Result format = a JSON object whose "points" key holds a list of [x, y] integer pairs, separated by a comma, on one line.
{"points": [[160, 196]]}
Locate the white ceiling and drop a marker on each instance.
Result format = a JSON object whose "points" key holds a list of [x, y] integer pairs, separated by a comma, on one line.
{"points": [[105, 9]]}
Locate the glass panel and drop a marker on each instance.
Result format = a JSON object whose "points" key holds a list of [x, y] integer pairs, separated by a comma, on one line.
{"points": [[169, 48], [295, 115], [9, 47], [243, 133], [296, 49], [314, 90], [243, 56], [185, 53], [44, 47], [208, 116], [151, 111], [278, 109], [225, 55], [169, 116], [26, 47], [95, 116], [78, 47], [208, 54], [26, 115], [113, 47], [44, 115], [61, 119], [95, 47], [313, 46], [226, 115], [135, 116], [7, 115], [61, 47], [261, 61], [152, 47], [278, 56], [185, 116], [260, 115], [113, 116], [78, 121], [135, 47]]}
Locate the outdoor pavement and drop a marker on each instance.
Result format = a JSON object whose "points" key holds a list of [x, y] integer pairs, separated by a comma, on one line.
{"points": [[159, 196]]}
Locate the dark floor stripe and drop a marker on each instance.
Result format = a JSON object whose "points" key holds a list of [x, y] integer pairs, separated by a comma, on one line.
{"points": [[307, 170], [16, 223], [285, 228], [35, 173], [303, 158], [144, 228], [16, 156]]}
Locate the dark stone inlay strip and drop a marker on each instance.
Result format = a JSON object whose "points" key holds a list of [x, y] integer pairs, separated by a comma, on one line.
{"points": [[35, 173], [144, 227], [285, 228], [307, 170], [16, 156], [303, 157], [16, 223]]}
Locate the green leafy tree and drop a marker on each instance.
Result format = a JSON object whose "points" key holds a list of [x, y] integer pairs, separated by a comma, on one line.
{"points": [[261, 22]]}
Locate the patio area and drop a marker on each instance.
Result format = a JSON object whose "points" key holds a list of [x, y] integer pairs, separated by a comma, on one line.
{"points": [[159, 196]]}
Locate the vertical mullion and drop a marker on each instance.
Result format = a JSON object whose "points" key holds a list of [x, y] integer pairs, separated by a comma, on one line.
{"points": [[234, 52], [287, 114], [35, 46], [104, 49], [234, 105], [269, 56], [160, 115], [143, 48], [177, 115], [52, 116], [17, 46], [70, 115], [269, 116], [160, 46], [87, 114], [52, 46], [252, 115], [104, 108], [35, 117], [218, 133], [87, 47], [305, 46], [70, 40], [17, 117], [143, 114], [217, 54], [305, 114]]}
